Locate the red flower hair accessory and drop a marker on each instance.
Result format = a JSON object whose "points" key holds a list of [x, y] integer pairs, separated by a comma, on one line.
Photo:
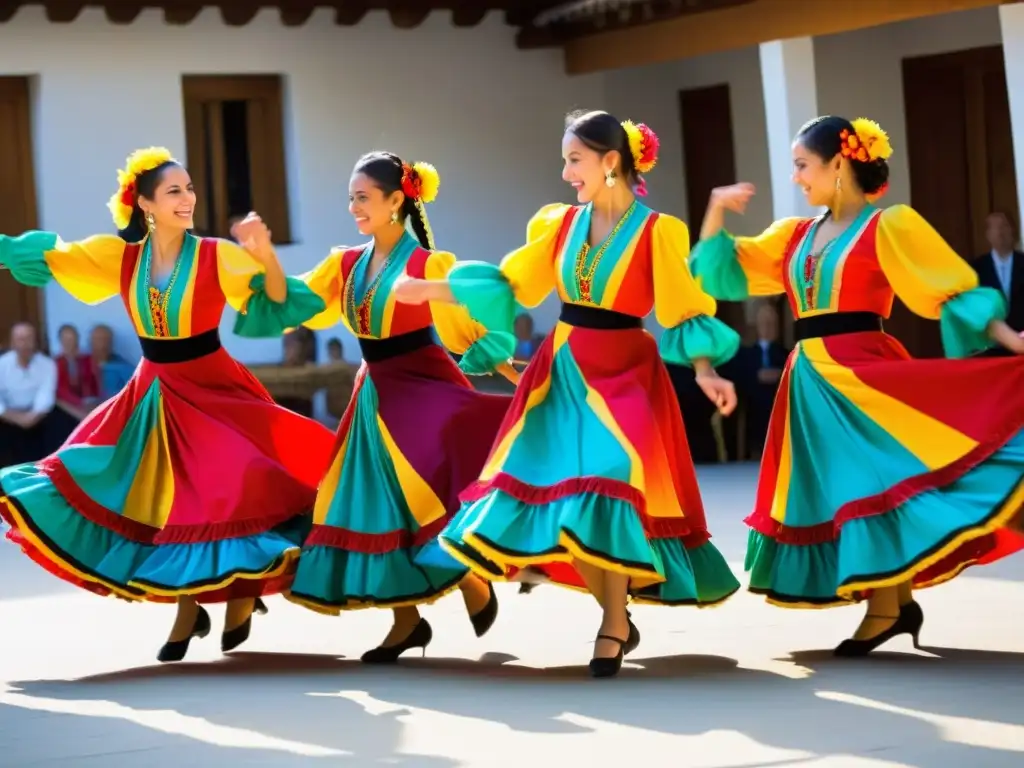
{"points": [[420, 182]]}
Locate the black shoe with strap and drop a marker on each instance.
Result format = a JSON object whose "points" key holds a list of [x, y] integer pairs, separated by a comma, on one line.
{"points": [[909, 622], [604, 666], [175, 650]]}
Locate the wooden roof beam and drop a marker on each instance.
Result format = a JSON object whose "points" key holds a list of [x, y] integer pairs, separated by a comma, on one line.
{"points": [[741, 26]]}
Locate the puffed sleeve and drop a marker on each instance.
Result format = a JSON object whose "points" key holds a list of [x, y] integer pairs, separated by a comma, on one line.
{"points": [[735, 268], [680, 305], [243, 281], [935, 283], [90, 270], [527, 275], [481, 351]]}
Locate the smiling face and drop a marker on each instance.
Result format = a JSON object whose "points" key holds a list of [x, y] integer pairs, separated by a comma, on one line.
{"points": [[815, 177], [369, 206], [173, 203], [585, 170]]}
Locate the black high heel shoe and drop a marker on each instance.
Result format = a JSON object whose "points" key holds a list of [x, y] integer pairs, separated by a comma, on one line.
{"points": [[420, 637], [603, 666], [483, 619], [907, 623], [175, 650], [233, 638]]}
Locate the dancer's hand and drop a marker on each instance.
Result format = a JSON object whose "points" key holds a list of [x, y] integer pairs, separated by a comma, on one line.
{"points": [[510, 373], [734, 197], [720, 391], [410, 290], [999, 331], [253, 234]]}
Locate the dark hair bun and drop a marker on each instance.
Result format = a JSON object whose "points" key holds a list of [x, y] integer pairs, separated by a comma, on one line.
{"points": [[823, 137], [871, 176]]}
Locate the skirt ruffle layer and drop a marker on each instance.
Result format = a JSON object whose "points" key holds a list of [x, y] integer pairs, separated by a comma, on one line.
{"points": [[414, 434], [185, 483], [592, 466], [875, 473]]}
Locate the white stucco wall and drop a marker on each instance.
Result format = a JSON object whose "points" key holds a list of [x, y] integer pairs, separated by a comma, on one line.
{"points": [[487, 115], [858, 74]]}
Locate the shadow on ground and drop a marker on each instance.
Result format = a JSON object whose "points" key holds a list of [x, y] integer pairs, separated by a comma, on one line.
{"points": [[901, 707]]}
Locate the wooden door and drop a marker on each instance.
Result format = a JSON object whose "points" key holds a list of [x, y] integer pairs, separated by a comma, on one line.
{"points": [[709, 161], [17, 199], [960, 151]]}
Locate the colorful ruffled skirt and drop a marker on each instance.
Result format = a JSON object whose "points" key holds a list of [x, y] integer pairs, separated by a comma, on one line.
{"points": [[592, 465], [414, 435], [190, 481], [879, 468]]}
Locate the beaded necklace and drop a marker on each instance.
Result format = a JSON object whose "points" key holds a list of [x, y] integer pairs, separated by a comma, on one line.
{"points": [[585, 272], [159, 300]]}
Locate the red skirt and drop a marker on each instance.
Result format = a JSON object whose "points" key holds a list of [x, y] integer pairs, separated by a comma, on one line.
{"points": [[190, 481]]}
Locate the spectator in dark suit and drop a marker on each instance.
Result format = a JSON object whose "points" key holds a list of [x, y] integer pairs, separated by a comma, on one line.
{"points": [[758, 371], [1002, 268]]}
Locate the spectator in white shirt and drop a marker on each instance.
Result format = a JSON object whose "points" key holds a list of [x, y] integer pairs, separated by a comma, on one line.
{"points": [[28, 391]]}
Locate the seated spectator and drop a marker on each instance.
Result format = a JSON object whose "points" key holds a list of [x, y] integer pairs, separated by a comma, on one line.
{"points": [[296, 354], [112, 370], [28, 394], [335, 352], [527, 341], [78, 390]]}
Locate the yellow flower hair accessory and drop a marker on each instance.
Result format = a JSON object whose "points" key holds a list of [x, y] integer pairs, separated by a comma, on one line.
{"points": [[421, 181], [643, 145], [868, 142], [139, 162]]}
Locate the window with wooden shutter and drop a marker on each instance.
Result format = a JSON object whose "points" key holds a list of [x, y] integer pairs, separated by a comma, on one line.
{"points": [[234, 130]]}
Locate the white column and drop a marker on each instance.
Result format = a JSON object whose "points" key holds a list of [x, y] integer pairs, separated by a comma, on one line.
{"points": [[1011, 22], [790, 100]]}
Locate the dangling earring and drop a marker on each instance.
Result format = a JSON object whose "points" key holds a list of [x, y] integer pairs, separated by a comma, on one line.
{"points": [[839, 196], [151, 222], [609, 179], [394, 217]]}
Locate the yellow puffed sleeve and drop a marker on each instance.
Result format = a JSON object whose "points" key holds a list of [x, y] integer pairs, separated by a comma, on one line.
{"points": [[325, 281], [457, 330], [761, 257], [692, 332], [920, 266], [90, 270], [934, 282], [530, 270], [735, 268], [677, 296], [236, 269]]}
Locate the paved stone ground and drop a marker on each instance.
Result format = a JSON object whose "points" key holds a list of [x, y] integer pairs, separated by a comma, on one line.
{"points": [[740, 686]]}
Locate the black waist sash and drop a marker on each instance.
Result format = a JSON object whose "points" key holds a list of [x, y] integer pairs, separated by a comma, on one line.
{"points": [[835, 324], [378, 350], [165, 351], [581, 316]]}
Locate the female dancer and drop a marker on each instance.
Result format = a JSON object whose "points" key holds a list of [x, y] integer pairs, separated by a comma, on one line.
{"points": [[875, 479], [191, 484], [415, 432], [591, 480]]}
